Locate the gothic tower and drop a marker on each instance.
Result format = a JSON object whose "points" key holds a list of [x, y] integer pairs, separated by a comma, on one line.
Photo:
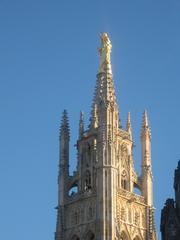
{"points": [[170, 214], [98, 200]]}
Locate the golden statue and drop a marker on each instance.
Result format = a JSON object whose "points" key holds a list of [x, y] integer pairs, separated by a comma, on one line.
{"points": [[105, 52]]}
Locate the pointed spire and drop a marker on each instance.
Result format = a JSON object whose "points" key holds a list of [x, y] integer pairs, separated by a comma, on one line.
{"points": [[145, 124], [146, 161], [81, 124], [128, 125], [104, 96], [64, 128], [105, 88]]}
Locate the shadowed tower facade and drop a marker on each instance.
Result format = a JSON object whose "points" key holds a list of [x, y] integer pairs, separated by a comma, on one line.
{"points": [[170, 214], [98, 200]]}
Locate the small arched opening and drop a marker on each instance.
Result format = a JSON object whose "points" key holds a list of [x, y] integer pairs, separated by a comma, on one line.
{"points": [[73, 190]]}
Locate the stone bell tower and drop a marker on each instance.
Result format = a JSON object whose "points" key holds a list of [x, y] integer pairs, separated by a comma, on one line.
{"points": [[98, 200]]}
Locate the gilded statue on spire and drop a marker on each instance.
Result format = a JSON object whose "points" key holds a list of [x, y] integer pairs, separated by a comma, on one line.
{"points": [[105, 53]]}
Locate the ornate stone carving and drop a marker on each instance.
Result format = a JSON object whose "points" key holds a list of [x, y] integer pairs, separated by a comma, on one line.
{"points": [[123, 214], [137, 218]]}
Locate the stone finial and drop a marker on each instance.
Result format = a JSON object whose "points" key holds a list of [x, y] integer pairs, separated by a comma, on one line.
{"points": [[145, 125], [81, 124], [128, 125], [145, 119]]}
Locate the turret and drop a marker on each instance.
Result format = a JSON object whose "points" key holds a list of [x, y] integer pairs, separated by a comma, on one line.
{"points": [[128, 126], [147, 190]]}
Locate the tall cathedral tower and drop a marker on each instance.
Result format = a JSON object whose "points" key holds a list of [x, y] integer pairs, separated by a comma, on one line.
{"points": [[98, 200]]}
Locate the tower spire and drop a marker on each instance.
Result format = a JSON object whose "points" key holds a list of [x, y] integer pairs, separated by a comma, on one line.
{"points": [[104, 96]]}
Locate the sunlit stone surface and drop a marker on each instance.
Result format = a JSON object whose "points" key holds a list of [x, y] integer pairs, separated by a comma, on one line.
{"points": [[99, 200]]}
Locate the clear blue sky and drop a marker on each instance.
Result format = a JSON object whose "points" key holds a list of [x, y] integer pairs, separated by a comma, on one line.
{"points": [[48, 62]]}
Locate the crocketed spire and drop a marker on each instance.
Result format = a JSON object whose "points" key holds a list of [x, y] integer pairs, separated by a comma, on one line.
{"points": [[104, 95], [64, 127]]}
